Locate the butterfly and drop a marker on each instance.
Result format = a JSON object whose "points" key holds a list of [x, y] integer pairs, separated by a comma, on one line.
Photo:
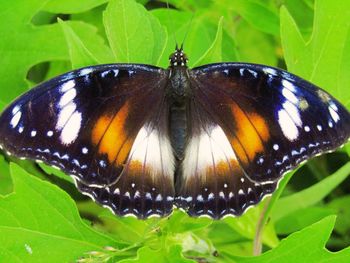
{"points": [[138, 139]]}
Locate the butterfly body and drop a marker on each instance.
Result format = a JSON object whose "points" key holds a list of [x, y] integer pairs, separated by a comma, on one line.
{"points": [[139, 139], [178, 97]]}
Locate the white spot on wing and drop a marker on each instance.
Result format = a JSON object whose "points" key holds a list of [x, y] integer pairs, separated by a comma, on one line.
{"points": [[156, 149], [71, 129], [33, 133], [270, 71], [289, 95], [67, 97], [15, 109], [240, 192], [289, 85], [159, 198], [241, 71], [255, 74], [200, 198], [85, 71], [333, 113], [15, 119], [289, 129], [201, 150], [64, 115], [67, 86], [293, 112]]}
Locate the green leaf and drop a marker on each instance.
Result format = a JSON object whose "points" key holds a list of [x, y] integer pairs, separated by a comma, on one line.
{"points": [[127, 229], [165, 255], [79, 55], [302, 13], [324, 58], [56, 68], [71, 7], [246, 225], [138, 40], [58, 173], [199, 35], [29, 45], [302, 218], [307, 245], [180, 222], [214, 53], [227, 241], [311, 195], [341, 205], [82, 37], [257, 14], [5, 177], [37, 217], [255, 46], [27, 40]]}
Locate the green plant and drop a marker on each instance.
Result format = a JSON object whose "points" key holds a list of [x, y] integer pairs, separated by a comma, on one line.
{"points": [[41, 222]]}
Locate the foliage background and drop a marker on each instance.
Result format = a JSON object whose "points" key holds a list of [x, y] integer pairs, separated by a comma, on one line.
{"points": [[44, 219]]}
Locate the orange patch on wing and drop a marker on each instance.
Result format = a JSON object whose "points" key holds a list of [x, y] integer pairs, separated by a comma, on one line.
{"points": [[135, 166], [224, 167], [251, 130], [109, 133], [260, 126], [239, 151]]}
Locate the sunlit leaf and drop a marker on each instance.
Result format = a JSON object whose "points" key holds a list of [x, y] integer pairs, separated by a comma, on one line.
{"points": [[307, 245], [37, 217], [140, 39], [324, 58], [311, 195]]}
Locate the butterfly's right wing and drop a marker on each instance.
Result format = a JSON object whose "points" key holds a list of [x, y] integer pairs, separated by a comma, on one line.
{"points": [[250, 124], [107, 127]]}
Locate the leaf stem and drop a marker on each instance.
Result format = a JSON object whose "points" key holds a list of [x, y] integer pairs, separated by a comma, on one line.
{"points": [[257, 243]]}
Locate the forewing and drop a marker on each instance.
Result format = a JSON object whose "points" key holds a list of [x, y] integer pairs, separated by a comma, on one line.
{"points": [[86, 123], [270, 119]]}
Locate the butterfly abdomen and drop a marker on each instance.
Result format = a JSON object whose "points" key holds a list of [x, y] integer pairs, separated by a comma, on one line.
{"points": [[178, 96]]}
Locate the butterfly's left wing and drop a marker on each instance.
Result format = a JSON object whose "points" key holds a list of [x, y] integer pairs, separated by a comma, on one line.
{"points": [[104, 125], [249, 125]]}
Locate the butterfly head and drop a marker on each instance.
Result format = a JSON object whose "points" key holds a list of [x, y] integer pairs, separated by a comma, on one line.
{"points": [[178, 58]]}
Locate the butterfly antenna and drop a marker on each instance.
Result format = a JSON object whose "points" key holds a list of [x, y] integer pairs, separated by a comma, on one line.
{"points": [[172, 23], [189, 28]]}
